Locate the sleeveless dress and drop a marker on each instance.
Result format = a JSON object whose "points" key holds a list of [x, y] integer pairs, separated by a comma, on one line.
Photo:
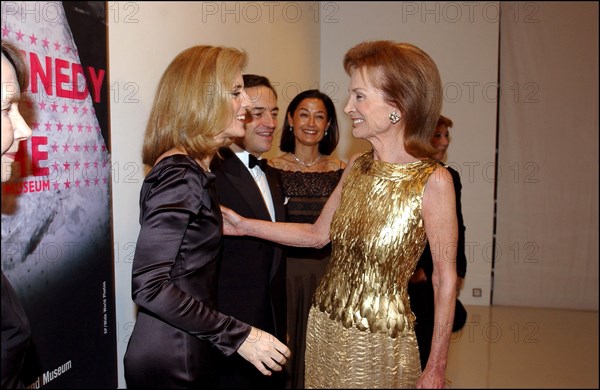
{"points": [[306, 193], [360, 328]]}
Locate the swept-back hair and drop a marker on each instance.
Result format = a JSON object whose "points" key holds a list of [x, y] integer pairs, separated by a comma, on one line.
{"points": [[193, 102], [409, 80]]}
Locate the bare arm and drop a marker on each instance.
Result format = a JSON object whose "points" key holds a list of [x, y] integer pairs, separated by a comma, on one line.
{"points": [[293, 234], [439, 215]]}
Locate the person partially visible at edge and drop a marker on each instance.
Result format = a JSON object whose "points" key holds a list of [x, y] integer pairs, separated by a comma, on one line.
{"points": [[251, 282], [200, 105], [309, 175], [15, 324], [389, 202], [420, 288]]}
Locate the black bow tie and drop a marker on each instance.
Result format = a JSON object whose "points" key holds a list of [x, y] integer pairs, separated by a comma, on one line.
{"points": [[253, 161]]}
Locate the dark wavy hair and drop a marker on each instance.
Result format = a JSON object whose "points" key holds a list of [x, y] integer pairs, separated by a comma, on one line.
{"points": [[253, 80], [329, 142]]}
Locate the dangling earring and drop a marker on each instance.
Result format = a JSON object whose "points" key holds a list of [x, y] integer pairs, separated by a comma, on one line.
{"points": [[291, 128], [325, 133], [394, 117]]}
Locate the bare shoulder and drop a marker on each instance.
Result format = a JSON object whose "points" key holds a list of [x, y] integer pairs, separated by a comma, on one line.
{"points": [[353, 158], [439, 191], [332, 164], [279, 162], [440, 180], [348, 167], [340, 163]]}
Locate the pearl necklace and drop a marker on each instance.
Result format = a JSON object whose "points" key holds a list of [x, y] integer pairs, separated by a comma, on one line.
{"points": [[308, 165]]}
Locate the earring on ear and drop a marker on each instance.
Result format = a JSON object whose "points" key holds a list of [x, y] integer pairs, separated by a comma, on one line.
{"points": [[394, 117], [325, 133], [291, 128]]}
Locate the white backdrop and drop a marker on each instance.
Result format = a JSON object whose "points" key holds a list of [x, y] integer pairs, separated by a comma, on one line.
{"points": [[548, 152]]}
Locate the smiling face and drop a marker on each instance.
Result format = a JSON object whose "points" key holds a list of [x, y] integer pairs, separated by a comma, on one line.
{"points": [[262, 121], [367, 107], [240, 102], [310, 121], [14, 127]]}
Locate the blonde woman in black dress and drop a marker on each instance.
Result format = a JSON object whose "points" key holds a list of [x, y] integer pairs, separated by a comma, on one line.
{"points": [[200, 105]]}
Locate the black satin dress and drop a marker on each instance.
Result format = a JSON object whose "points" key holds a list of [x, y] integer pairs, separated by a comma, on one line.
{"points": [[178, 331]]}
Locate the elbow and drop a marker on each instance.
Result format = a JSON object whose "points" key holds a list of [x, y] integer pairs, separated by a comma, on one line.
{"points": [[313, 237], [324, 239], [320, 243], [320, 239]]}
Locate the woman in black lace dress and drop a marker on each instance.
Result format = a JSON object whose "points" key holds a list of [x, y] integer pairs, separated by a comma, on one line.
{"points": [[309, 175]]}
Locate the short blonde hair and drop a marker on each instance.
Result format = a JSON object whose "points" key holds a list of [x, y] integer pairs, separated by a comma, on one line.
{"points": [[410, 80], [193, 102]]}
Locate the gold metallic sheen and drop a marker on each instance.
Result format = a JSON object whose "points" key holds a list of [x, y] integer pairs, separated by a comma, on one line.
{"points": [[377, 237]]}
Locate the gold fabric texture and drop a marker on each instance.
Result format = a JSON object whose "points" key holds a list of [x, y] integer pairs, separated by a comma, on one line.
{"points": [[361, 331]]}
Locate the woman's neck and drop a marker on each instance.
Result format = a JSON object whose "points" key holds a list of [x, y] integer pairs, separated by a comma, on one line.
{"points": [[306, 154]]}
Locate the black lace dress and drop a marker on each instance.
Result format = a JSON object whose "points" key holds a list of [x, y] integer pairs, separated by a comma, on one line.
{"points": [[306, 194]]}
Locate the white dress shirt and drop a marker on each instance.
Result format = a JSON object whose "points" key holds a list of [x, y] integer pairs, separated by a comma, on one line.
{"points": [[259, 177]]}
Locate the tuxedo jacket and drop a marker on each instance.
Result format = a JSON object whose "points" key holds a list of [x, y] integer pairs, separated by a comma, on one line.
{"points": [[251, 279], [251, 282]]}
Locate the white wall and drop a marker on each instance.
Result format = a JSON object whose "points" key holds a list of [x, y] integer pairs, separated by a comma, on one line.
{"points": [[462, 39], [301, 46], [282, 41], [547, 202]]}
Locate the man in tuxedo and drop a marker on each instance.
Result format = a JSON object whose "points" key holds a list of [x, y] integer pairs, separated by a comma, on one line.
{"points": [[251, 283]]}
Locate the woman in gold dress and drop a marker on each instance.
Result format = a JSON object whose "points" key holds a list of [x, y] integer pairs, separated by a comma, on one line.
{"points": [[388, 203]]}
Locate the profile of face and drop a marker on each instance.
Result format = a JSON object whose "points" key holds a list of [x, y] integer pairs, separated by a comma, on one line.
{"points": [[440, 141], [262, 121], [310, 121], [239, 103], [14, 127], [367, 107]]}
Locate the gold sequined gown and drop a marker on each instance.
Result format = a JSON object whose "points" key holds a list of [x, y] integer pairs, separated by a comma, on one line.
{"points": [[360, 327]]}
